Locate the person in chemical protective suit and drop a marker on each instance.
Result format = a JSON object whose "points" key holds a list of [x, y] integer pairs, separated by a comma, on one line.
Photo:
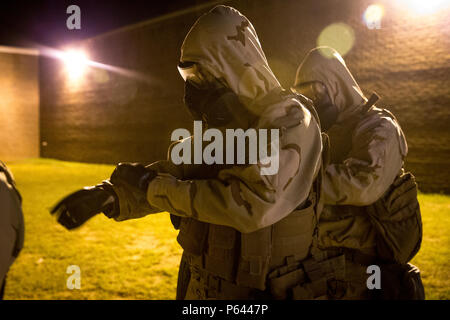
{"points": [[11, 224], [371, 211], [246, 231]]}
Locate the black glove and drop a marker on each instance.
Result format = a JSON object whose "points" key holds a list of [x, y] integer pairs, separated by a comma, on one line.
{"points": [[78, 207], [133, 174]]}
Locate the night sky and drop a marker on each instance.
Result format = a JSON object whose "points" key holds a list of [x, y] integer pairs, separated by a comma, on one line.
{"points": [[23, 22]]}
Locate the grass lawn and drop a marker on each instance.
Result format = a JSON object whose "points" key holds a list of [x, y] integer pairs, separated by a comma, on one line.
{"points": [[139, 259]]}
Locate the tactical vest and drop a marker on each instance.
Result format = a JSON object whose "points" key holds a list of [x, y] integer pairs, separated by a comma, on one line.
{"points": [[247, 259]]}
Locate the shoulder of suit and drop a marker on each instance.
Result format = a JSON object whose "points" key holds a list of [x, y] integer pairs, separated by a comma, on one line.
{"points": [[377, 118]]}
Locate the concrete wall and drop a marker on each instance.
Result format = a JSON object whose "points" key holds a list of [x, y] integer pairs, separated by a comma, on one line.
{"points": [[19, 104], [111, 118]]}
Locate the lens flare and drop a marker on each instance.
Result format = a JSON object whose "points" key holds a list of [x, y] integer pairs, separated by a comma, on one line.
{"points": [[373, 15], [339, 36]]}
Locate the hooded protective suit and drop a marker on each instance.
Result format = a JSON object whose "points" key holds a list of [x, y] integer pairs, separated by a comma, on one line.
{"points": [[237, 225], [225, 43], [367, 149], [11, 223], [363, 167]]}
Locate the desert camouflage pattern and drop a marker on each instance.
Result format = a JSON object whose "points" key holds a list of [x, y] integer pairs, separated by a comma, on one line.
{"points": [[374, 155], [367, 149], [225, 43], [238, 196]]}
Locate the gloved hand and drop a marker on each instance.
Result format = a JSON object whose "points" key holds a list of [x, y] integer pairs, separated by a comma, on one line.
{"points": [[135, 175], [78, 207], [130, 183]]}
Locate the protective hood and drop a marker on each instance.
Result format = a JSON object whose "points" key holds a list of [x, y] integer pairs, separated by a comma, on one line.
{"points": [[225, 44], [326, 65]]}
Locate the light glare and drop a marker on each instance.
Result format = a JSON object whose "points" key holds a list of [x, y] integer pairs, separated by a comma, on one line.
{"points": [[373, 15], [424, 6], [76, 63]]}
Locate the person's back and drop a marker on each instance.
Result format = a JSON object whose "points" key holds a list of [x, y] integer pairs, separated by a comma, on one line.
{"points": [[11, 224], [364, 174]]}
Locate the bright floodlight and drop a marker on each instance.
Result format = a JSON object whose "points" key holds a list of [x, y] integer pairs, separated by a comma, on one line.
{"points": [[76, 63], [424, 6], [373, 15]]}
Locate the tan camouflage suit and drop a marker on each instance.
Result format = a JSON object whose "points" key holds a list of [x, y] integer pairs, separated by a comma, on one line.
{"points": [[237, 225], [367, 150]]}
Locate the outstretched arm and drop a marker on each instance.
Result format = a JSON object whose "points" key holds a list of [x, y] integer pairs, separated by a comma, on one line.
{"points": [[240, 197]]}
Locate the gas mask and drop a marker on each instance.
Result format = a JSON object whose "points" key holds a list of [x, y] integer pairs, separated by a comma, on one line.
{"points": [[207, 99], [212, 105], [318, 93]]}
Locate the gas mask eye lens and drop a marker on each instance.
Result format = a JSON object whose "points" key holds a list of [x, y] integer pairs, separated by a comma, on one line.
{"points": [[314, 90], [190, 71], [319, 87]]}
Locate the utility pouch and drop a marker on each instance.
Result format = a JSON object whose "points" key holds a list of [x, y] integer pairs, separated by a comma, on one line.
{"points": [[256, 248], [283, 279], [309, 280], [220, 256], [399, 282], [326, 279], [397, 220], [192, 236], [293, 234]]}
